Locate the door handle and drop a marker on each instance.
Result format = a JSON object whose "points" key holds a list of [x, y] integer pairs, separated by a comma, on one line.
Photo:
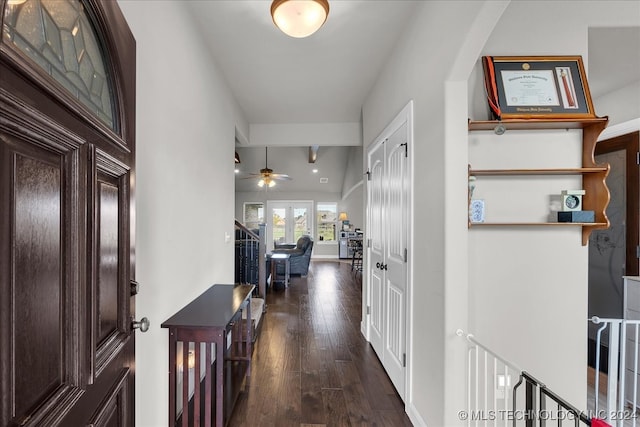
{"points": [[378, 265], [143, 324]]}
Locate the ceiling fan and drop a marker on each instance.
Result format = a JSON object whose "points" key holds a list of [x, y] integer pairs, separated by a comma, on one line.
{"points": [[266, 176]]}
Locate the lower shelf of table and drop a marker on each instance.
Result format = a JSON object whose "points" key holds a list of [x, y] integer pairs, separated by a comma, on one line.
{"points": [[234, 382]]}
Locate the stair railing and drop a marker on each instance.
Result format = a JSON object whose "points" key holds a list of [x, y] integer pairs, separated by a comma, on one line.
{"points": [[249, 257], [499, 393], [490, 381], [621, 337]]}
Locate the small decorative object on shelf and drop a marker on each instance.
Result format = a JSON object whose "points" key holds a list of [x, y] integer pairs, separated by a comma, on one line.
{"points": [[571, 209], [472, 185], [577, 216], [572, 200], [476, 211]]}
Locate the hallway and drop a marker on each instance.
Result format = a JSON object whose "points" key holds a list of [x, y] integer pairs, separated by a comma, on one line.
{"points": [[311, 365]]}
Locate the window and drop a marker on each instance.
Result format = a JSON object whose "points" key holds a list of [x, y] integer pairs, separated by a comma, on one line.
{"points": [[287, 220], [253, 215], [59, 37], [327, 217]]}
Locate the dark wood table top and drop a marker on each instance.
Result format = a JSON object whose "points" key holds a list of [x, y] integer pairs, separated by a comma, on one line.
{"points": [[213, 309]]}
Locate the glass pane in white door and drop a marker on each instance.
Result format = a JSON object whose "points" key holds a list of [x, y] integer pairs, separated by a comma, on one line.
{"points": [[301, 218], [279, 225]]}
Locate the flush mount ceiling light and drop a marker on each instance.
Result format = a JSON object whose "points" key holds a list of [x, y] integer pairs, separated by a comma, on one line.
{"points": [[299, 18]]}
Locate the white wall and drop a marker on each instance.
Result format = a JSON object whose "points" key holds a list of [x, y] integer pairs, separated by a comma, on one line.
{"points": [[522, 301], [354, 171], [185, 141], [352, 189], [621, 106], [418, 70], [353, 205]]}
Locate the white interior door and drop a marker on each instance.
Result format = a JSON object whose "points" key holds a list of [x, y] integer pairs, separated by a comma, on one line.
{"points": [[395, 267], [287, 221], [375, 251], [388, 231]]}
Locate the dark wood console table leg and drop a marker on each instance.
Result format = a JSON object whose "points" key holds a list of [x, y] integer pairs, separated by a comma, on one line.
{"points": [[220, 379], [172, 375]]}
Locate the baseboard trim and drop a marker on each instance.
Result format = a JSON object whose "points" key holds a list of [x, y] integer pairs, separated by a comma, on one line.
{"points": [[414, 415]]}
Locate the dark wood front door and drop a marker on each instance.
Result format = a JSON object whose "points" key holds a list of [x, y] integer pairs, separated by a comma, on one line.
{"points": [[67, 156]]}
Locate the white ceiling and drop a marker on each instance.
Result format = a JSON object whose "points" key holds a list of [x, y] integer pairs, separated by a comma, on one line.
{"points": [[325, 78], [614, 58], [331, 163]]}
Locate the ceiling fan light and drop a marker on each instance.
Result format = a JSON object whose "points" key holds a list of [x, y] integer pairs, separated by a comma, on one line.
{"points": [[266, 181], [299, 18]]}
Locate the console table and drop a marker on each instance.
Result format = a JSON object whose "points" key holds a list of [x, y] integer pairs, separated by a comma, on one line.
{"points": [[208, 320]]}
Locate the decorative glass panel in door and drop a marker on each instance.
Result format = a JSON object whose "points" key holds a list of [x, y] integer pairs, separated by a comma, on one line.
{"points": [[58, 36]]}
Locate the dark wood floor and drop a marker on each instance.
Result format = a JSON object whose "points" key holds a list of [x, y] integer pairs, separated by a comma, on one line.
{"points": [[311, 366]]}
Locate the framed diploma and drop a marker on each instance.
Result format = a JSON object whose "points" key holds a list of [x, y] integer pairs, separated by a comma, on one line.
{"points": [[544, 87]]}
